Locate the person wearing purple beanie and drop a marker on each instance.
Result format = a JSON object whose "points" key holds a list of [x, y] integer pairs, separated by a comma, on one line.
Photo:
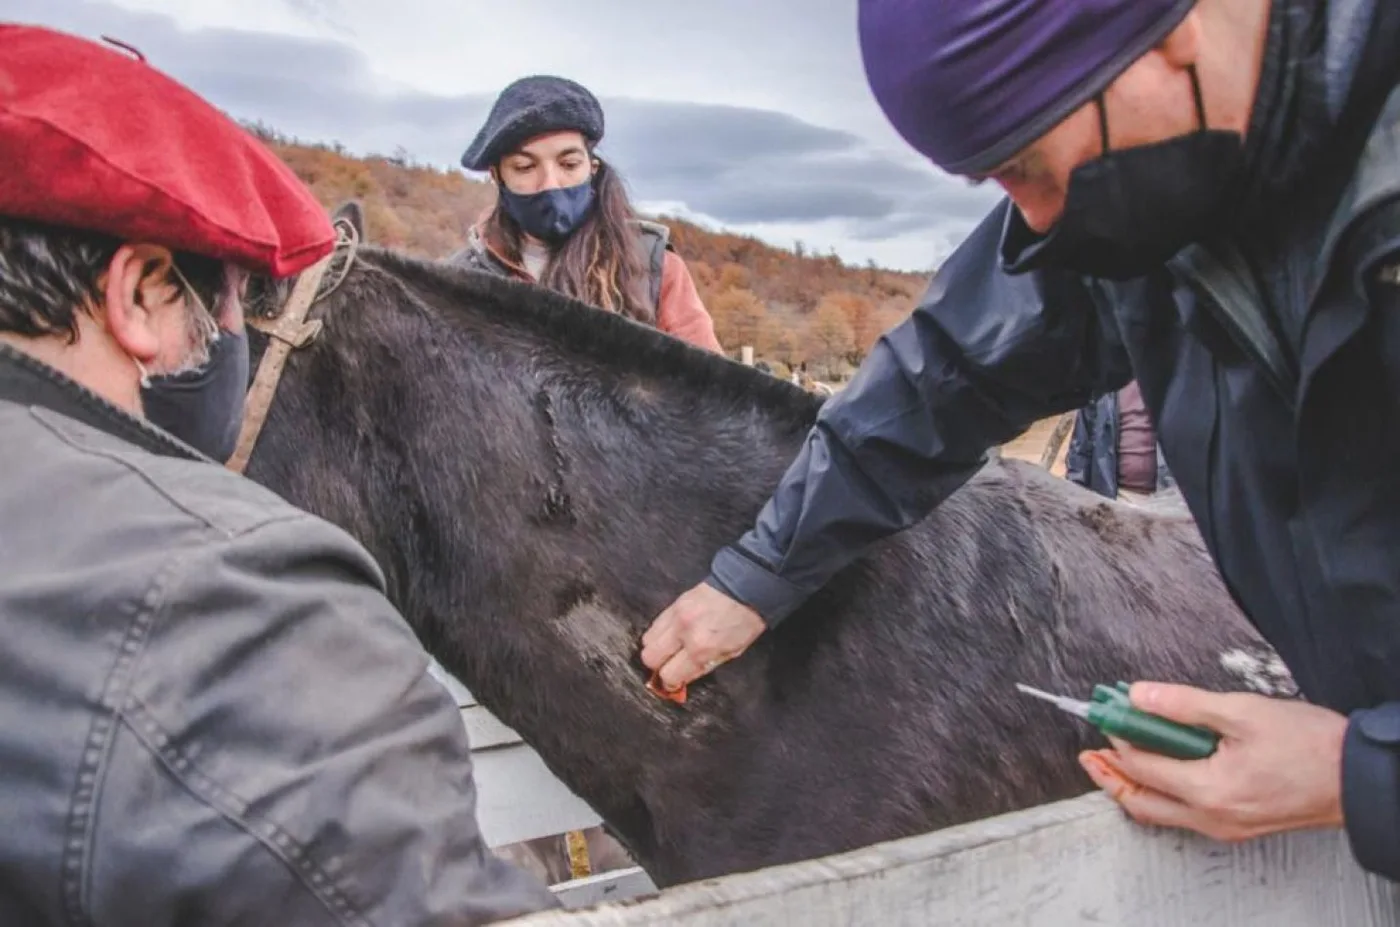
{"points": [[1203, 197]]}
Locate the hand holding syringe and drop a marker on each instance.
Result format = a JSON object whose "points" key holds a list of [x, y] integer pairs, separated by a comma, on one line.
{"points": [[1111, 713]]}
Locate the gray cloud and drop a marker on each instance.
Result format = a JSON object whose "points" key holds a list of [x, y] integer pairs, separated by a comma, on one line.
{"points": [[327, 12], [738, 165]]}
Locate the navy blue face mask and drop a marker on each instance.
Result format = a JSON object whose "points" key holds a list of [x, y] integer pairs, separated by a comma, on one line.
{"points": [[204, 407], [550, 215]]}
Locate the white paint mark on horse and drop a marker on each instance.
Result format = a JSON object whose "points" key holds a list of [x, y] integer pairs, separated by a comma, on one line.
{"points": [[1260, 670]]}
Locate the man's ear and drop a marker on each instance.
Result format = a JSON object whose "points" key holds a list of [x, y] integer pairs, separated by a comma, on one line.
{"points": [[135, 291]]}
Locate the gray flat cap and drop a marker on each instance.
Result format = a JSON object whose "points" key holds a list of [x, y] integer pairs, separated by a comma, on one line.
{"points": [[529, 107]]}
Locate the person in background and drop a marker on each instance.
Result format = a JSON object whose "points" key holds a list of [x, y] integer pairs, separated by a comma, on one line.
{"points": [[188, 730], [562, 217], [1114, 451]]}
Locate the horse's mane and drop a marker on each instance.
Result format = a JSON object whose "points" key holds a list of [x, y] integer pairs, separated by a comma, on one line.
{"points": [[614, 342]]}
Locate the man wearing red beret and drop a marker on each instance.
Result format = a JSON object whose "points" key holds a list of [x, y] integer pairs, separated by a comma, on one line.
{"points": [[209, 712]]}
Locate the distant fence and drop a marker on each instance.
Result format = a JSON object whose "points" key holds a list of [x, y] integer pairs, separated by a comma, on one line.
{"points": [[1074, 862]]}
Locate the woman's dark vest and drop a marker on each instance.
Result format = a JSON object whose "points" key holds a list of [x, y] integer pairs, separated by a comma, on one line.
{"points": [[653, 237]]}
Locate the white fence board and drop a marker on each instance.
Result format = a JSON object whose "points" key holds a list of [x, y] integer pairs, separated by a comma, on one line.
{"points": [[1074, 862], [485, 730], [609, 886], [518, 798], [453, 684]]}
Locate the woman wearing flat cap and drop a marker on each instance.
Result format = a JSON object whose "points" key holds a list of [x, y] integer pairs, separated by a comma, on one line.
{"points": [[1204, 196], [187, 733], [562, 217]]}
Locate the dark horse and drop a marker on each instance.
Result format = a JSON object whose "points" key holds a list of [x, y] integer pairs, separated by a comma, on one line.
{"points": [[538, 479]]}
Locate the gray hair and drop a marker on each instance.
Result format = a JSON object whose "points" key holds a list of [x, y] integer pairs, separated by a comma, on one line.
{"points": [[49, 274]]}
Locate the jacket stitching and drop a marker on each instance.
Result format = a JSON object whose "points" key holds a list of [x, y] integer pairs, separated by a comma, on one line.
{"points": [[271, 517], [78, 841], [279, 843]]}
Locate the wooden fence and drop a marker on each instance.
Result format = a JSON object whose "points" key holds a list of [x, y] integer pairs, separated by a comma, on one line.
{"points": [[519, 799], [1074, 862]]}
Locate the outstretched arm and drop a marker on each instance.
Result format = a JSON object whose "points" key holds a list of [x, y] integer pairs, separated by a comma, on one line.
{"points": [[982, 357]]}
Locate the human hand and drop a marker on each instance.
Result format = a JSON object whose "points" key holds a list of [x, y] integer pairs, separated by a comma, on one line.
{"points": [[698, 632], [1278, 766]]}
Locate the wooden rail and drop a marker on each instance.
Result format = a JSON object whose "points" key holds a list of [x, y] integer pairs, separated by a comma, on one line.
{"points": [[1069, 863], [519, 799]]}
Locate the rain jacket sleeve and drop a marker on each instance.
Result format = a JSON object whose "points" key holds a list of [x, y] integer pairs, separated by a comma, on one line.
{"points": [[983, 357], [1371, 788]]}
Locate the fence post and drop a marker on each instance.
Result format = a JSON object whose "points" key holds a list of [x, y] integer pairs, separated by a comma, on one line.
{"points": [[1057, 439]]}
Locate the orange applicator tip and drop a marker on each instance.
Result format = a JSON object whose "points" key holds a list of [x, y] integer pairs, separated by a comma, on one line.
{"points": [[655, 688]]}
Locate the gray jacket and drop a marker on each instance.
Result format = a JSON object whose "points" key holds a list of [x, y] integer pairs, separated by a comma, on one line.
{"points": [[209, 712]]}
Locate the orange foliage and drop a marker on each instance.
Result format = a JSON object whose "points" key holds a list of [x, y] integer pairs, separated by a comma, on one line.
{"points": [[738, 315], [792, 306], [830, 332]]}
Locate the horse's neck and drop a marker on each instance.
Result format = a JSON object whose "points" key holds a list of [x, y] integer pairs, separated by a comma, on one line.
{"points": [[533, 514], [589, 505]]}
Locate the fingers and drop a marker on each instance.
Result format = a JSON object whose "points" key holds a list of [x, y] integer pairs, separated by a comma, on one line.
{"points": [[1146, 805], [1143, 804], [1185, 780], [698, 632], [1221, 712], [690, 663], [662, 641], [675, 654], [680, 670]]}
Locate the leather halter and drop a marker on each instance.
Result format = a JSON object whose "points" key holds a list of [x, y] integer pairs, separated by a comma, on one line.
{"points": [[289, 331]]}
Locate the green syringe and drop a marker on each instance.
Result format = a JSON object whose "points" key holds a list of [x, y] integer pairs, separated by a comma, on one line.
{"points": [[1110, 712]]}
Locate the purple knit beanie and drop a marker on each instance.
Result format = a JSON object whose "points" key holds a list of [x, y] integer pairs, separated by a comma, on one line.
{"points": [[968, 83]]}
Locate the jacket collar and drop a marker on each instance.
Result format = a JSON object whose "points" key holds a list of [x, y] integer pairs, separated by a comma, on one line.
{"points": [[28, 382], [479, 240]]}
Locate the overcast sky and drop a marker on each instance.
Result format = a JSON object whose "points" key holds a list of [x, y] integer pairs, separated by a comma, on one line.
{"points": [[750, 115]]}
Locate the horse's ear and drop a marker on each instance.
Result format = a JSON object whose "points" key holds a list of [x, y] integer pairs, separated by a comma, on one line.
{"points": [[351, 211]]}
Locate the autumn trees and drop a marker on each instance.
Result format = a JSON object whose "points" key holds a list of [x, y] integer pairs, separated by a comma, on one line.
{"points": [[793, 307]]}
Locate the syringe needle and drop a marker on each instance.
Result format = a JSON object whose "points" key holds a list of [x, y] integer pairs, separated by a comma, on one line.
{"points": [[1074, 706]]}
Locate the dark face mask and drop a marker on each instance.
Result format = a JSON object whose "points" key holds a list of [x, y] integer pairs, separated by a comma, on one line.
{"points": [[1129, 211], [550, 215], [204, 407]]}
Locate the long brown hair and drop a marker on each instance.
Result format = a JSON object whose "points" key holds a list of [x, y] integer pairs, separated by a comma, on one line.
{"points": [[601, 262]]}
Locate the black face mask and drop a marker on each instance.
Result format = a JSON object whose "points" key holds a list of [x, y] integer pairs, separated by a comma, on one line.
{"points": [[204, 407], [1129, 211]]}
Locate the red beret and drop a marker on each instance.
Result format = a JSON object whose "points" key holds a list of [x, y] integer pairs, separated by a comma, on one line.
{"points": [[92, 138]]}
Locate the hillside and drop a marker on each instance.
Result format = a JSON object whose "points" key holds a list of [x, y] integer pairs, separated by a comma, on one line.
{"points": [[791, 306]]}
